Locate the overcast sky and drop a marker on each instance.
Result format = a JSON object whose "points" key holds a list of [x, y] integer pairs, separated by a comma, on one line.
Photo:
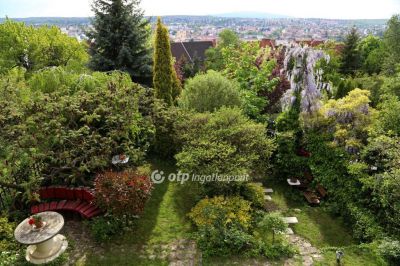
{"points": [[341, 9]]}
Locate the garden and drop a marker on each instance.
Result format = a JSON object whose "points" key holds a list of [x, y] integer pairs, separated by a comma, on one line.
{"points": [[294, 148]]}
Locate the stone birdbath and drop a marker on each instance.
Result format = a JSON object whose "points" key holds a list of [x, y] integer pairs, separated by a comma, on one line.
{"points": [[44, 243]]}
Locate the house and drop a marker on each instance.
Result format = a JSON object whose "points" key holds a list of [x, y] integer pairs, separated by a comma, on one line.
{"points": [[310, 43], [268, 43], [191, 50]]}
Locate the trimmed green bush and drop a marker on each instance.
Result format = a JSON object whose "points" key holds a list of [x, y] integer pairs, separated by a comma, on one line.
{"points": [[225, 143], [209, 92]]}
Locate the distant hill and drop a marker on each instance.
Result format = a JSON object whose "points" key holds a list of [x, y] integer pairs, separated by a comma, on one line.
{"points": [[58, 21], [250, 15]]}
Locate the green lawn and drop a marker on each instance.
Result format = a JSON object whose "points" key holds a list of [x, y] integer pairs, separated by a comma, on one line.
{"points": [[165, 220], [353, 256], [162, 222], [321, 229]]}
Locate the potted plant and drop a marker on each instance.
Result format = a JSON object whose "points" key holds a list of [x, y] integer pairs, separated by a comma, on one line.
{"points": [[36, 222]]}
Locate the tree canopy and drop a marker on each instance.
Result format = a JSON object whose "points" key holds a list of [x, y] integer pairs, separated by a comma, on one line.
{"points": [[119, 39], [36, 48]]}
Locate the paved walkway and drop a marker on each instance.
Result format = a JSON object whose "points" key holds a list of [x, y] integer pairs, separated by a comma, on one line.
{"points": [[308, 254], [182, 252]]}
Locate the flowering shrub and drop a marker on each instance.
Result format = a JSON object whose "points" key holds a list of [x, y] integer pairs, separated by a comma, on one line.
{"points": [[223, 225], [123, 193], [306, 81], [221, 211], [254, 194]]}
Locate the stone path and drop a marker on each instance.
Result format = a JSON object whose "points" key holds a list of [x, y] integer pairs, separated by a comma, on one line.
{"points": [[80, 242], [308, 254], [182, 252]]}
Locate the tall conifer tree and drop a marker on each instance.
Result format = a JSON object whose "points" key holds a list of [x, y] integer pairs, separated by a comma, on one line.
{"points": [[351, 55], [165, 81], [119, 39]]}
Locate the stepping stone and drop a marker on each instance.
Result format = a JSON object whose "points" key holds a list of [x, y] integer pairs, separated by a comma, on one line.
{"points": [[291, 220], [289, 231], [268, 190], [257, 184], [267, 197]]}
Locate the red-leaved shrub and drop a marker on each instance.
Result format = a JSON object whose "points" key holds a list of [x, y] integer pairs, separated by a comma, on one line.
{"points": [[123, 193]]}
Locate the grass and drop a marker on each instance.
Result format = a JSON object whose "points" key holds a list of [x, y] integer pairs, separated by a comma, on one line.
{"points": [[162, 222], [322, 230], [315, 224], [165, 220], [353, 256]]}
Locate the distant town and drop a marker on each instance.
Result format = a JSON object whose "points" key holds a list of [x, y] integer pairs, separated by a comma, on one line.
{"points": [[201, 28]]}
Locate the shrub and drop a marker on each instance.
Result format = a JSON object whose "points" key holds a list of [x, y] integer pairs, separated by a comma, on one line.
{"points": [[123, 193], [73, 129], [7, 241], [254, 194], [287, 163], [278, 250], [388, 119], [9, 248], [365, 226], [224, 143], [390, 250], [104, 228], [35, 48], [222, 225], [221, 242], [164, 118], [222, 211], [210, 92], [272, 223]]}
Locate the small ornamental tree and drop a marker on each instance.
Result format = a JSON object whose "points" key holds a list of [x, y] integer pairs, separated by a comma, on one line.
{"points": [[123, 193], [165, 80], [272, 223]]}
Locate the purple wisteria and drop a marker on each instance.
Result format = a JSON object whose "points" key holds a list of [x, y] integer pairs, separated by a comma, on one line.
{"points": [[305, 80]]}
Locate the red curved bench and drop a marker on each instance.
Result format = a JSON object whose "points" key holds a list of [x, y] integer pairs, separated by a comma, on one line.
{"points": [[67, 199]]}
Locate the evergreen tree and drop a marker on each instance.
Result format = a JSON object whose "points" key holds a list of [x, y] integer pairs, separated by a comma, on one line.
{"points": [[119, 39], [351, 56], [165, 80], [392, 45]]}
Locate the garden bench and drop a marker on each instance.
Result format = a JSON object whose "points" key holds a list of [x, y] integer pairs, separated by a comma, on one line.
{"points": [[311, 197], [303, 153], [309, 177], [67, 199], [321, 190]]}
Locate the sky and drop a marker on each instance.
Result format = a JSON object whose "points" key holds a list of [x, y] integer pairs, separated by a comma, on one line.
{"points": [[338, 9]]}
